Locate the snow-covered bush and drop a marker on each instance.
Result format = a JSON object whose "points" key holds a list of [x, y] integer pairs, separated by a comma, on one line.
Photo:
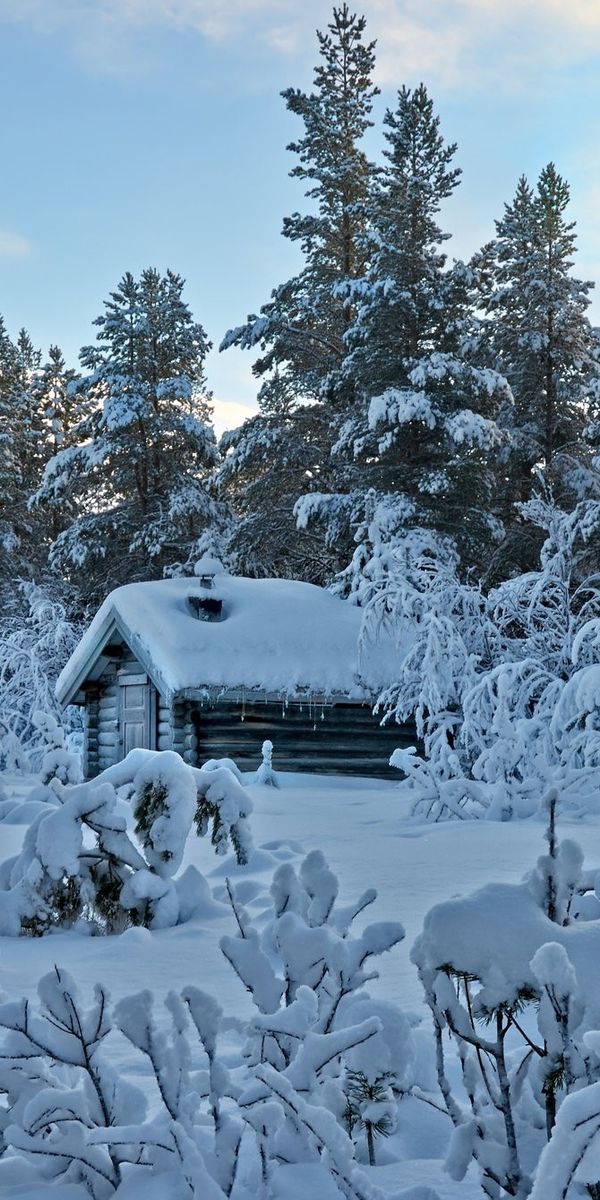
{"points": [[80, 863], [510, 974], [164, 803], [316, 1031], [370, 1105], [504, 688], [58, 762], [223, 803], [67, 1110], [265, 774], [35, 642], [316, 1083]]}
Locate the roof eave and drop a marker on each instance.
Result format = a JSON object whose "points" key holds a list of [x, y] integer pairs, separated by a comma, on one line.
{"points": [[112, 624]]}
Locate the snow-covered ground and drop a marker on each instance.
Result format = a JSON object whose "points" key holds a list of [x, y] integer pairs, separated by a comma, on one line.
{"points": [[363, 829]]}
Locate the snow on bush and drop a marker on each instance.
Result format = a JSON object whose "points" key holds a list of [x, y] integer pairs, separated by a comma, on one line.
{"points": [[79, 863], [265, 774], [317, 1045], [511, 977], [504, 687], [319, 1073], [35, 643], [78, 1120], [58, 761]]}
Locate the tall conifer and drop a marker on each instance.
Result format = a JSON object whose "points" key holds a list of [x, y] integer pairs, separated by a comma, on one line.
{"points": [[417, 426], [538, 334], [136, 475], [301, 330]]}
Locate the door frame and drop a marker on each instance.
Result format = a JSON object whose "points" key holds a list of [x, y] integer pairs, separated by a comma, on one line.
{"points": [[149, 709]]}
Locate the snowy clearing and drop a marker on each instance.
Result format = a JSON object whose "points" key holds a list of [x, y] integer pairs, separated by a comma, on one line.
{"points": [[368, 840]]}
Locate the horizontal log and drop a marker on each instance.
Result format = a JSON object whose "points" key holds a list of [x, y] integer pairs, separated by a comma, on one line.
{"points": [[108, 734]]}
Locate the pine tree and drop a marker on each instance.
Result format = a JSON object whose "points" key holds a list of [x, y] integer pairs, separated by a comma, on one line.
{"points": [[58, 409], [301, 329], [400, 316], [417, 428], [539, 336], [136, 476], [21, 455], [56, 399]]}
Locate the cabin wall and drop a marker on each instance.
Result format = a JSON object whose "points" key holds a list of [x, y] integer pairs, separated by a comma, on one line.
{"points": [[184, 730], [164, 731], [105, 736], [344, 739]]}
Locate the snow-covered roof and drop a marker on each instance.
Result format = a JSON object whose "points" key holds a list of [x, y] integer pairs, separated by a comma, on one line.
{"points": [[274, 635]]}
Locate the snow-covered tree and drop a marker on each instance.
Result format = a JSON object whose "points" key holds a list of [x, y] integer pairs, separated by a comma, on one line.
{"points": [[266, 465], [301, 328], [80, 864], [488, 962], [135, 478], [69, 1113], [398, 313], [503, 685], [38, 633], [21, 455], [539, 336], [415, 418], [300, 331]]}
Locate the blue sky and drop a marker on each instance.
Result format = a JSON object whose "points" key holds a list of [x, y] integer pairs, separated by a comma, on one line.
{"points": [[151, 133]]}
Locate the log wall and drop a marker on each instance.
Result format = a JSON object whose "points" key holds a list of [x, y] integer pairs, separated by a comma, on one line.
{"points": [[344, 739]]}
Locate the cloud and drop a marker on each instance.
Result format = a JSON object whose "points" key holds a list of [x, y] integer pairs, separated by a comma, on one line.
{"points": [[13, 245], [452, 42], [462, 43], [229, 414]]}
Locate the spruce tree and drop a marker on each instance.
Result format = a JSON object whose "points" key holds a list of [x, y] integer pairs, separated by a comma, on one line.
{"points": [[55, 397], [136, 476], [58, 408], [301, 330], [400, 316], [539, 336], [21, 456], [417, 435]]}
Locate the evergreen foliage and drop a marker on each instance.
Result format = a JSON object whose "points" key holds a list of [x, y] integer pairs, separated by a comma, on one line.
{"points": [[301, 330], [21, 446], [38, 632], [136, 475], [538, 335], [80, 866], [417, 424]]}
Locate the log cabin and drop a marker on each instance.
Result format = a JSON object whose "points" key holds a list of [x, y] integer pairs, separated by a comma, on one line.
{"points": [[211, 666]]}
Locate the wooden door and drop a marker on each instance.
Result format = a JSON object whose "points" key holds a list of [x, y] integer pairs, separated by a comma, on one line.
{"points": [[138, 714]]}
